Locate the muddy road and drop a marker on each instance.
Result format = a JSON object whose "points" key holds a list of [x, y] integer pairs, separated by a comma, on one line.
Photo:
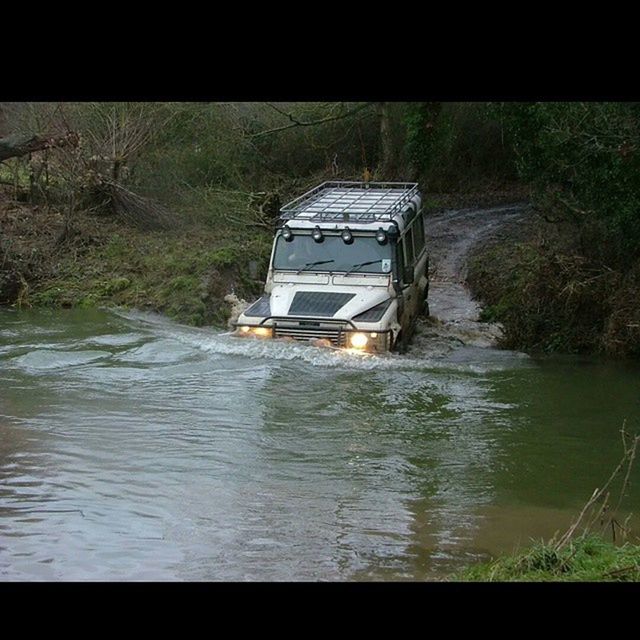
{"points": [[452, 235]]}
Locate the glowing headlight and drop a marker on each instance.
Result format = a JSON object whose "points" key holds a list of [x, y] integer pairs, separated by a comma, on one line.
{"points": [[260, 332], [358, 340]]}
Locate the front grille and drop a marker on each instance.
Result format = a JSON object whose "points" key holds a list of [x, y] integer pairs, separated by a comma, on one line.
{"points": [[336, 336]]}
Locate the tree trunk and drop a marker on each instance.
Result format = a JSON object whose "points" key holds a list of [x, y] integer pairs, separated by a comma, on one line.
{"points": [[387, 168], [3, 120], [16, 145]]}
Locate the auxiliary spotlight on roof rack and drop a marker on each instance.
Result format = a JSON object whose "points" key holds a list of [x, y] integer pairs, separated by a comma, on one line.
{"points": [[352, 201]]}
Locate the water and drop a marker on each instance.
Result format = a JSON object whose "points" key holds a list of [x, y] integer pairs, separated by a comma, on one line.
{"points": [[132, 448]]}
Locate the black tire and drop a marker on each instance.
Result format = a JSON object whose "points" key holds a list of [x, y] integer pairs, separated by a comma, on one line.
{"points": [[400, 346], [425, 300]]}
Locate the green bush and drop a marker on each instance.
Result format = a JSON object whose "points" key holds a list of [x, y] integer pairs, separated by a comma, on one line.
{"points": [[548, 296]]}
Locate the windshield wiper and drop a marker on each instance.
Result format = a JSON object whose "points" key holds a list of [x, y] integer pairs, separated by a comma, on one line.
{"points": [[309, 265], [361, 264]]}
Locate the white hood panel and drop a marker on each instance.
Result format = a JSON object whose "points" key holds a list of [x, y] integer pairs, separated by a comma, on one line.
{"points": [[363, 298]]}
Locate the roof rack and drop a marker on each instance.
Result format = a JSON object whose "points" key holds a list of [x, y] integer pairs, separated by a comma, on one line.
{"points": [[355, 201]]}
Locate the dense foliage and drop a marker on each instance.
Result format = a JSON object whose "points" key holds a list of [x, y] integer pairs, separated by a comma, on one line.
{"points": [[572, 281], [584, 158]]}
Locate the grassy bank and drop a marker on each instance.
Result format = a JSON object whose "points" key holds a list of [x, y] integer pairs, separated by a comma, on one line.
{"points": [[587, 559], [184, 275], [184, 272]]}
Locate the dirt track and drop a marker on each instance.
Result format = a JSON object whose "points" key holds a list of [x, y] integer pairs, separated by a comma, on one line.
{"points": [[451, 236]]}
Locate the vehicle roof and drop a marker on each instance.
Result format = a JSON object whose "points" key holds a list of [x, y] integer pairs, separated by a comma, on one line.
{"points": [[360, 205]]}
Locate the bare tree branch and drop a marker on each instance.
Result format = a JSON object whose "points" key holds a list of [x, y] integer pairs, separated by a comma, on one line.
{"points": [[299, 123]]}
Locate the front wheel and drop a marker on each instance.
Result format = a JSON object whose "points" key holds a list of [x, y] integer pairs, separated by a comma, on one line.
{"points": [[425, 296], [425, 302], [400, 345]]}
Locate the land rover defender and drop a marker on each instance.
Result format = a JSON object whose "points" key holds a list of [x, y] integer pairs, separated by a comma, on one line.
{"points": [[348, 269]]}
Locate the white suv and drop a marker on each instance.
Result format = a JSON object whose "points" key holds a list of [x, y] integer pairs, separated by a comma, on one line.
{"points": [[349, 269]]}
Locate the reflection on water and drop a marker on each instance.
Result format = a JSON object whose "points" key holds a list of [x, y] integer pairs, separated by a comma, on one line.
{"points": [[135, 449]]}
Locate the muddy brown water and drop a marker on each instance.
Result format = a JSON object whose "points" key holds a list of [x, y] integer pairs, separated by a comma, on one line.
{"points": [[134, 448]]}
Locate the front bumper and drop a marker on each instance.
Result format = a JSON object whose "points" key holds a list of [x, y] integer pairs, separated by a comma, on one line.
{"points": [[320, 332]]}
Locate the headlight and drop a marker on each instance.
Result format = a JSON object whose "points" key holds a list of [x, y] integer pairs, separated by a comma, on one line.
{"points": [[259, 332], [369, 341], [358, 340]]}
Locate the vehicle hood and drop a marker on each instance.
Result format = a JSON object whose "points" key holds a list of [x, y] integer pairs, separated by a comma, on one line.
{"points": [[343, 302]]}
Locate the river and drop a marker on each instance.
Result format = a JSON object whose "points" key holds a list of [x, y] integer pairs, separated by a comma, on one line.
{"points": [[134, 448]]}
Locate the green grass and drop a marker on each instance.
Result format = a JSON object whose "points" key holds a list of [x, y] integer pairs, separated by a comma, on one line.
{"points": [[587, 559], [182, 274]]}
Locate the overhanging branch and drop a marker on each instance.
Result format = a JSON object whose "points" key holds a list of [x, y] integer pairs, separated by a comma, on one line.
{"points": [[301, 123]]}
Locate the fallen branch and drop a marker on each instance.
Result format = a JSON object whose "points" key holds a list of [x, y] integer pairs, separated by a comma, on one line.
{"points": [[15, 146]]}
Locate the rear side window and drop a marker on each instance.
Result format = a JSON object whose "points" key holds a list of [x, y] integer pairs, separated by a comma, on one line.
{"points": [[408, 247], [418, 234]]}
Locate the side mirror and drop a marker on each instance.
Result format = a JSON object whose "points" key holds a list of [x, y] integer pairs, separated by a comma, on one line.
{"points": [[407, 276]]}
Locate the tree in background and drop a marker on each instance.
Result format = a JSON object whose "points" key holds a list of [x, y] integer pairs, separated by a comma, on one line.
{"points": [[582, 158]]}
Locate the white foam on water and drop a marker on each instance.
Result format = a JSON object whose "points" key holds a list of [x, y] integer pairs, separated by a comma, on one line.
{"points": [[225, 344]]}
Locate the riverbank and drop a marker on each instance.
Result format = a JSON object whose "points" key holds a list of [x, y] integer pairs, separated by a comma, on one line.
{"points": [[588, 559], [89, 261], [553, 293], [528, 275]]}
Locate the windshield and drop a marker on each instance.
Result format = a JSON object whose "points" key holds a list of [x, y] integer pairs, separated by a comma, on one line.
{"points": [[303, 253]]}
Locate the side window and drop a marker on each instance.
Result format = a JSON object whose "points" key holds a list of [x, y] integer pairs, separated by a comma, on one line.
{"points": [[418, 234], [400, 260], [408, 247]]}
